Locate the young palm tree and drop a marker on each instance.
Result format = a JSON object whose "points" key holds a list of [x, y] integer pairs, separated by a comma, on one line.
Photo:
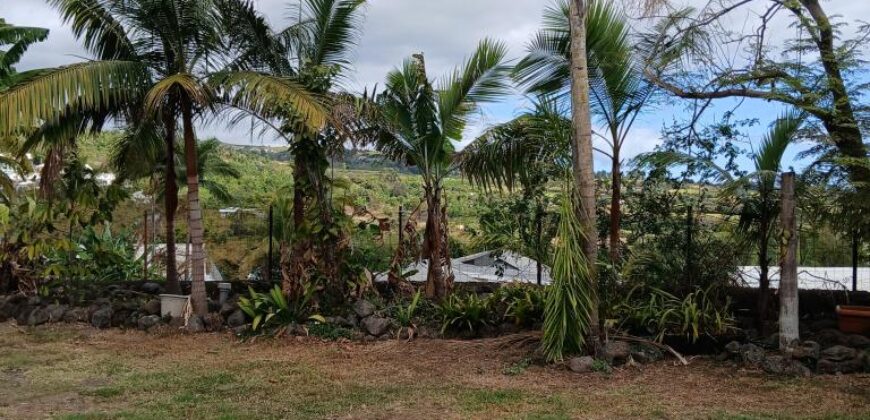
{"points": [[756, 193], [420, 124], [618, 91], [311, 54]]}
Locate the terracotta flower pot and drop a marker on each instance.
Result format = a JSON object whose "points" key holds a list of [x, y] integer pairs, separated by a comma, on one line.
{"points": [[854, 319]]}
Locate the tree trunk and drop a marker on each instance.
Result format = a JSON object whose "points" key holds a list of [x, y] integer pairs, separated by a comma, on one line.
{"points": [[293, 266], [438, 285], [764, 276], [615, 208], [789, 331], [170, 207], [581, 148], [195, 226]]}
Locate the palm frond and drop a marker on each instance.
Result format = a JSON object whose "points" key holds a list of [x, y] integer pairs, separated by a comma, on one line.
{"points": [[19, 39], [85, 87], [94, 24]]}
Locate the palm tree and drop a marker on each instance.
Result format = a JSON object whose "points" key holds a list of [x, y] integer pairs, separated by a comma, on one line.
{"points": [[756, 192], [618, 91], [420, 124], [153, 57], [312, 53]]}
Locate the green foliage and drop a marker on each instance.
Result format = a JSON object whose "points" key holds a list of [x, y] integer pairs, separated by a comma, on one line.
{"points": [[571, 298], [465, 313], [102, 256], [517, 368], [520, 303], [329, 331], [656, 312], [272, 310], [404, 314]]}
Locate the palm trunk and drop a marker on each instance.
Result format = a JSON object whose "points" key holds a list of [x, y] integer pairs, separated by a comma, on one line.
{"points": [[171, 206], [615, 208], [437, 283], [195, 227], [293, 266], [581, 148], [789, 324], [764, 276]]}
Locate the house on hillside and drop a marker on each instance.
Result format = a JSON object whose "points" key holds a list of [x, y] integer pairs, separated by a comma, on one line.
{"points": [[489, 267]]}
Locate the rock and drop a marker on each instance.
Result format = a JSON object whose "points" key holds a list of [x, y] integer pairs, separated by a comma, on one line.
{"points": [[780, 365], [120, 317], [509, 328], [38, 316], [76, 315], [807, 351], [752, 354], [236, 319], [581, 364], [241, 329], [56, 312], [34, 301], [733, 348], [151, 307], [830, 337], [296, 329], [151, 288], [102, 318], [376, 326], [832, 367], [363, 308], [838, 353], [195, 324], [865, 360], [857, 341], [646, 354], [772, 341], [228, 308], [146, 322], [616, 352]]}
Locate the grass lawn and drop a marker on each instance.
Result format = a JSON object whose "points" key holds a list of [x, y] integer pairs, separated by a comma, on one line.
{"points": [[75, 372]]}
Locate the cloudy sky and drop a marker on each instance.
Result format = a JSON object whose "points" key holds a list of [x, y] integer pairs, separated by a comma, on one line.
{"points": [[446, 30]]}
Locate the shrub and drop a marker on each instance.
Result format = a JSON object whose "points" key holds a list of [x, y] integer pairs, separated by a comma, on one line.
{"points": [[404, 316], [659, 313], [271, 310], [469, 313], [521, 304], [328, 331]]}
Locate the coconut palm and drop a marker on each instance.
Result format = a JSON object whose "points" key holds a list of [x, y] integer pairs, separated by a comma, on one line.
{"points": [[618, 92], [311, 53], [755, 193], [153, 57], [420, 124]]}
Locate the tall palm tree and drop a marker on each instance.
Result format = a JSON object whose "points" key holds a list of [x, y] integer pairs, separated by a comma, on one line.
{"points": [[420, 124], [153, 57], [618, 91], [755, 193], [312, 53]]}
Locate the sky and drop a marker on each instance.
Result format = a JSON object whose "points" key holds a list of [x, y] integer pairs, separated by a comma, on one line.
{"points": [[446, 31]]}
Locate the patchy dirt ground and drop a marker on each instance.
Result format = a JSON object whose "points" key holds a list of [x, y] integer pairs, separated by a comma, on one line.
{"points": [[83, 373]]}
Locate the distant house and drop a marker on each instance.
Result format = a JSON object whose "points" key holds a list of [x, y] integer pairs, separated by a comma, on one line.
{"points": [[157, 255], [489, 267]]}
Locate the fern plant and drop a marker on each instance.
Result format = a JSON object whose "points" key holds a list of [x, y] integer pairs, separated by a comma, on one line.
{"points": [[468, 313], [404, 316]]}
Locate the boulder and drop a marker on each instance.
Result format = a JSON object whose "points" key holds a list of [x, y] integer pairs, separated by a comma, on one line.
{"points": [[76, 315], [581, 364], [780, 365], [752, 354], [151, 288], [228, 308], [832, 367], [838, 353], [214, 322], [733, 348], [119, 318], [236, 319], [857, 341], [146, 322], [34, 301], [807, 351], [376, 325], [56, 312], [38, 316], [151, 307], [616, 352], [102, 318], [646, 354], [363, 308], [195, 324], [830, 337], [23, 314]]}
